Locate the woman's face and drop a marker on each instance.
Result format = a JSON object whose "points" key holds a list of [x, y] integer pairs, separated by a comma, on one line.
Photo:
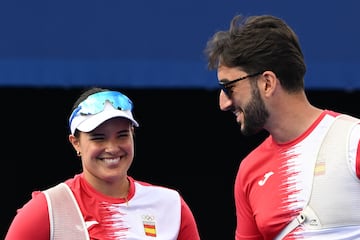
{"points": [[106, 152]]}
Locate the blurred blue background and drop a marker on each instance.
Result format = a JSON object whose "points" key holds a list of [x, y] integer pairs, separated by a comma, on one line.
{"points": [[159, 44]]}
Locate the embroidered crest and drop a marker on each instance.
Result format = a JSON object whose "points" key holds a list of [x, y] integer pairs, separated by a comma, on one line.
{"points": [[149, 225]]}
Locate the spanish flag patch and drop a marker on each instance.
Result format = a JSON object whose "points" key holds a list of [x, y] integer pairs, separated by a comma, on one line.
{"points": [[149, 225]]}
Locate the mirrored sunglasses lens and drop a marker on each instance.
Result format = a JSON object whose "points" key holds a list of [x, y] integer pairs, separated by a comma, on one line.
{"points": [[95, 103]]}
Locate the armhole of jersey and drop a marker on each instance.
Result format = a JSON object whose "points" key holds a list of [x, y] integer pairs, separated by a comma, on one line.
{"points": [[66, 220]]}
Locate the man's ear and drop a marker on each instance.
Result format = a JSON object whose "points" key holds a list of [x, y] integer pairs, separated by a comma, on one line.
{"points": [[268, 83]]}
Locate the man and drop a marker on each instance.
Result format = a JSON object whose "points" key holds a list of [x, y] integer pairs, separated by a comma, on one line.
{"points": [[303, 180]]}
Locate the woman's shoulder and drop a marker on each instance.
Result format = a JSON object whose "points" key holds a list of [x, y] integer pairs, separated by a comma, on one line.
{"points": [[36, 210]]}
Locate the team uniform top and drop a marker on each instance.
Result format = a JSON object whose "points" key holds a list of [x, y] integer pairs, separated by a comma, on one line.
{"points": [[274, 184], [149, 212]]}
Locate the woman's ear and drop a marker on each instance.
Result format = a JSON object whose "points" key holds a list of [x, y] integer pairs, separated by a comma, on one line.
{"points": [[74, 142]]}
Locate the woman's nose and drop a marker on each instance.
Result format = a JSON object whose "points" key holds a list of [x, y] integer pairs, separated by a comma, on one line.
{"points": [[112, 146]]}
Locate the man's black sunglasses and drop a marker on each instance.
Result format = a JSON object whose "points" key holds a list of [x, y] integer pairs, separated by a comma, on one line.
{"points": [[225, 86]]}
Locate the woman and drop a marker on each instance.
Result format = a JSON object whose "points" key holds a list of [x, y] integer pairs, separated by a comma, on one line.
{"points": [[103, 202]]}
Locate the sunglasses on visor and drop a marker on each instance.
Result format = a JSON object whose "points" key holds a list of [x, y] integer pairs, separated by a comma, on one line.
{"points": [[95, 103]]}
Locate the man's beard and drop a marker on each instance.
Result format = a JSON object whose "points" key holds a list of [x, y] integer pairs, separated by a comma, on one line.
{"points": [[255, 114]]}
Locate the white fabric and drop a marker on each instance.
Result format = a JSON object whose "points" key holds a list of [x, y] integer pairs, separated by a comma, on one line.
{"points": [[66, 220], [327, 208]]}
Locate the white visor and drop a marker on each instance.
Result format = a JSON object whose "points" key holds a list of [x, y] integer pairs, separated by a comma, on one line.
{"points": [[87, 123]]}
